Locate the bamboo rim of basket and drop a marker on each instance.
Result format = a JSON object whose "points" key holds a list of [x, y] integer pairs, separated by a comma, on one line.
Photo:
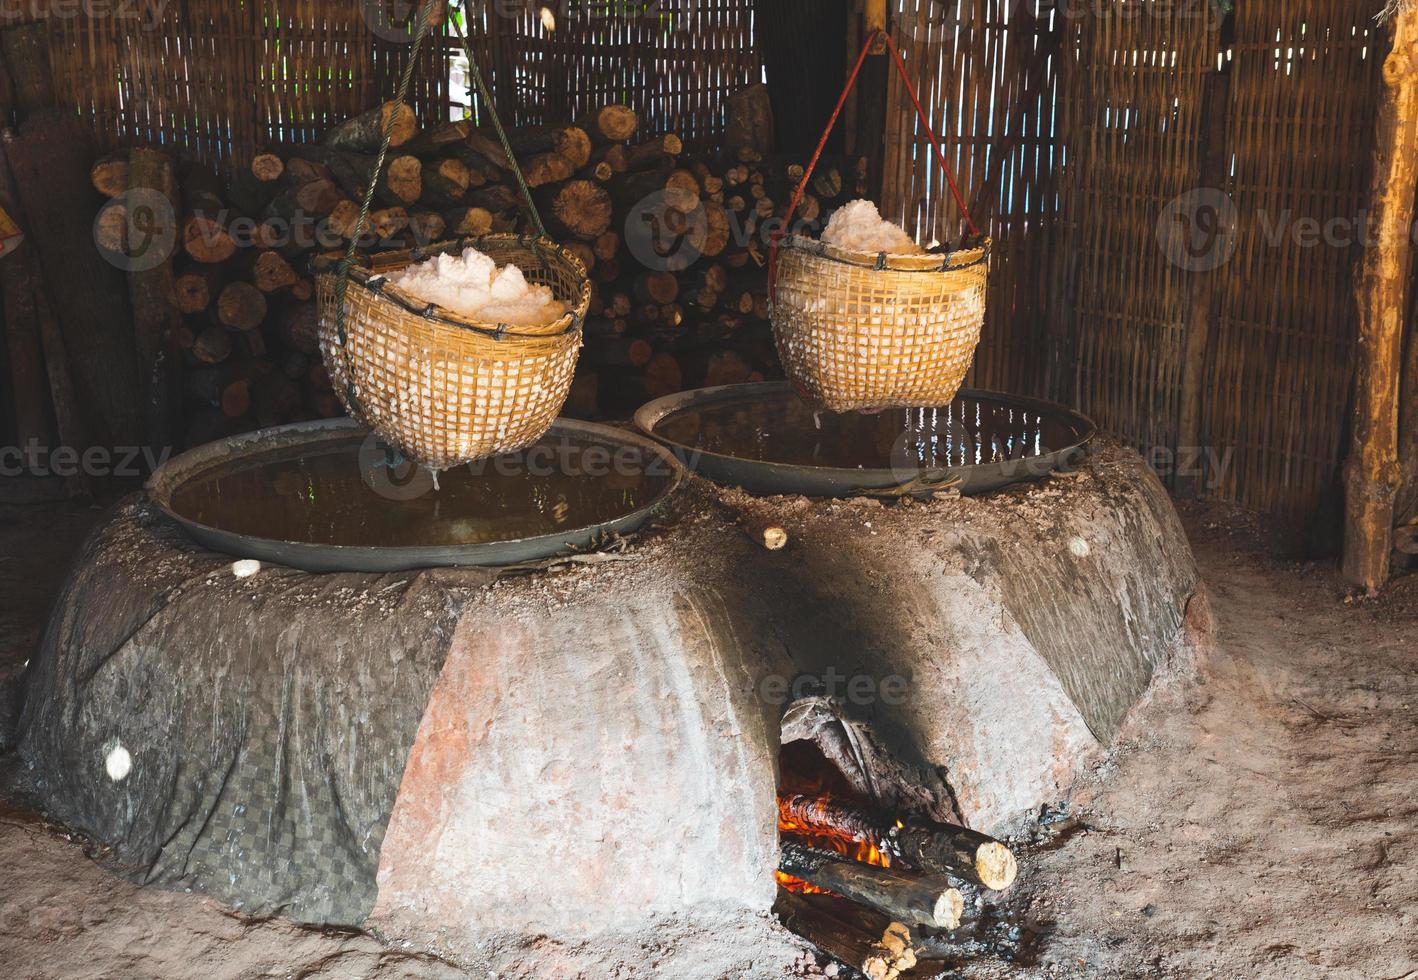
{"points": [[372, 278], [950, 261]]}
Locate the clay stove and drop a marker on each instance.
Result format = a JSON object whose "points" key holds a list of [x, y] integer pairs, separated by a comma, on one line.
{"points": [[456, 755]]}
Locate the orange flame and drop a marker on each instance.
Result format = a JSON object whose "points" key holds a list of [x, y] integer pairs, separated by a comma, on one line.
{"points": [[826, 839]]}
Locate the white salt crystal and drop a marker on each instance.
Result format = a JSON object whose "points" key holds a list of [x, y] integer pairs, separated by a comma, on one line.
{"points": [[860, 227], [118, 763], [473, 286]]}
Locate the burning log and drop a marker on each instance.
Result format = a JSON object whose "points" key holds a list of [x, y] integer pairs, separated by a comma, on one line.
{"points": [[847, 942], [909, 896], [924, 844]]}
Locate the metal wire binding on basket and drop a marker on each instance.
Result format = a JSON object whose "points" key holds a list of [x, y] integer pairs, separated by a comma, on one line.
{"points": [[445, 389], [858, 330]]}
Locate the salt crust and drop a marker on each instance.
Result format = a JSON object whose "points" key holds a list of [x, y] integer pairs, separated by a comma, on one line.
{"points": [[860, 227], [474, 286]]}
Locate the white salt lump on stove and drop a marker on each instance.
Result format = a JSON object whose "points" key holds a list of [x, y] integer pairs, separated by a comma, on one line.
{"points": [[472, 285], [860, 227]]}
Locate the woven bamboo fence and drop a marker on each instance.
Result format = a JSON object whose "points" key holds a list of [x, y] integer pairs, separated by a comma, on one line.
{"points": [[1130, 108], [987, 76], [1154, 175], [1304, 80], [674, 61], [1229, 352], [224, 80], [1081, 132]]}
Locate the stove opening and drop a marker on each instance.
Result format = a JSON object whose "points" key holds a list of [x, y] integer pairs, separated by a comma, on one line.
{"points": [[873, 885]]}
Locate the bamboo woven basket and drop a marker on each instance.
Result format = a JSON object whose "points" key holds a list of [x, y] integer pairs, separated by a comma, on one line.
{"points": [[441, 388], [858, 331]]}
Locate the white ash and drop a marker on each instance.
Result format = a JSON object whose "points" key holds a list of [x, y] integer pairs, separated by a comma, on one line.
{"points": [[858, 225], [474, 286]]}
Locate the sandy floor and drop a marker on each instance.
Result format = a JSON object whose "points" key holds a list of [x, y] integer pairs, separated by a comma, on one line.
{"points": [[1263, 824], [1260, 825]]}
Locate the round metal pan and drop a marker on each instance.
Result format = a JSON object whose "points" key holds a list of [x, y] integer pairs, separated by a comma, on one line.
{"points": [[773, 478], [345, 558]]}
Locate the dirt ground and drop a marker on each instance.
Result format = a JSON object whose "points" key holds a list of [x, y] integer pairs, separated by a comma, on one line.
{"points": [[1260, 824]]}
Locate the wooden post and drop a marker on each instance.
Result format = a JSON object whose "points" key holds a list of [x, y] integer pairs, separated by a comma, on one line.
{"points": [[1372, 471], [150, 290], [26, 51], [49, 159], [876, 21], [1215, 162], [865, 121]]}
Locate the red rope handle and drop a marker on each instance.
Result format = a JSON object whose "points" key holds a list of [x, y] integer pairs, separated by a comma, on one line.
{"points": [[930, 133], [775, 244]]}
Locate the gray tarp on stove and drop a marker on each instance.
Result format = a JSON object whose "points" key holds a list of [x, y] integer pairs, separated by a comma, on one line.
{"points": [[272, 786], [248, 737]]}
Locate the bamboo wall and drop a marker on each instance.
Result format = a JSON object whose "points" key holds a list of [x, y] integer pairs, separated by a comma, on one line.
{"points": [[1083, 134], [1302, 101], [986, 72], [1131, 122], [675, 61], [224, 80], [1236, 309], [1104, 142]]}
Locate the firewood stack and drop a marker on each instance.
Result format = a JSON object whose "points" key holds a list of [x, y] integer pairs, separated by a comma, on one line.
{"points": [[241, 288]]}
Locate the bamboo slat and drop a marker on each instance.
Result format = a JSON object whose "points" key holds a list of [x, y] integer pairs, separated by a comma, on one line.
{"points": [[224, 80]]}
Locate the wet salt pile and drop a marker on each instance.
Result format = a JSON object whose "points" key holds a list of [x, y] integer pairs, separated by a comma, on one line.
{"points": [[474, 286]]}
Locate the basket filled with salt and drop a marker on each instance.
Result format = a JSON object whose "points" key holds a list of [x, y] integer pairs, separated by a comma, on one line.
{"points": [[460, 350], [456, 351], [865, 318]]}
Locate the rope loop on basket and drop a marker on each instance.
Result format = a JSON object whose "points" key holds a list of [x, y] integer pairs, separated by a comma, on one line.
{"points": [[778, 233]]}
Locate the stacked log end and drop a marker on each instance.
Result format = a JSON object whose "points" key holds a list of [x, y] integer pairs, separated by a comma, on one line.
{"points": [[664, 315]]}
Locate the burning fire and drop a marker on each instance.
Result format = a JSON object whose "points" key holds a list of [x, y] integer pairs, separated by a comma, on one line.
{"points": [[825, 838]]}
